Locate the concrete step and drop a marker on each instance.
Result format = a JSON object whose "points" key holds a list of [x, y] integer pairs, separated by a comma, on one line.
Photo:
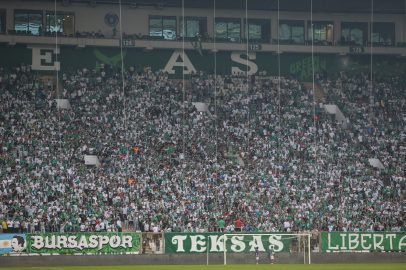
{"points": [[59, 89], [177, 81], [318, 93]]}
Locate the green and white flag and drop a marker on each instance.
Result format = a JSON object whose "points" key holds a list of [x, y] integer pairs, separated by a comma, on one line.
{"points": [[198, 46], [83, 243]]}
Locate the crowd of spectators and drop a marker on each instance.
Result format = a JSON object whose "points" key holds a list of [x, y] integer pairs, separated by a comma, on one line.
{"points": [[268, 160]]}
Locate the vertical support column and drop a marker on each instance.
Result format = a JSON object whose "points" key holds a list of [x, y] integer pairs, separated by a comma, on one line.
{"points": [[319, 235], [304, 248], [306, 31], [368, 41], [224, 248], [242, 34], [298, 246], [274, 28], [10, 19], [178, 20], [208, 247], [337, 30], [309, 235], [140, 251], [210, 25], [44, 21]]}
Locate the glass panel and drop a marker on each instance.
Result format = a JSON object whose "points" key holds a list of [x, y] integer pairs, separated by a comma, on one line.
{"points": [[254, 31], [357, 36], [51, 23], [375, 37], [35, 21], [221, 29], [192, 28], [297, 34], [386, 37], [320, 32], [181, 29], [20, 21], [383, 32], [316, 31], [234, 31], [169, 29], [309, 32], [345, 34], [155, 27], [285, 32]]}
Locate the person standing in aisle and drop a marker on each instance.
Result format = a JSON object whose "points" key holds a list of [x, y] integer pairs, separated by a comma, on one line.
{"points": [[272, 255]]}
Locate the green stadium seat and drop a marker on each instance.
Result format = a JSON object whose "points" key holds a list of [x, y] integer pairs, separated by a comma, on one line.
{"points": [[18, 32], [29, 33], [24, 32]]}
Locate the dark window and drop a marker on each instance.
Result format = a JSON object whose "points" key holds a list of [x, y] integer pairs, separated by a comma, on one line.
{"points": [[64, 22], [194, 26], [258, 29], [383, 33], [162, 27], [292, 30], [3, 20], [27, 20], [228, 28], [354, 33], [322, 31]]}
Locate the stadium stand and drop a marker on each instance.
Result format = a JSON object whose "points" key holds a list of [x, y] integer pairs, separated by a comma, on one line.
{"points": [[279, 168]]}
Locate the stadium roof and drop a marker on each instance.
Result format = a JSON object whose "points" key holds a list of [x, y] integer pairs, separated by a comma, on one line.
{"points": [[327, 6]]}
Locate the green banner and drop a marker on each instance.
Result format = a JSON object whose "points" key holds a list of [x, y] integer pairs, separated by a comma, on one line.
{"points": [[363, 241], [198, 242], [46, 59], [119, 243]]}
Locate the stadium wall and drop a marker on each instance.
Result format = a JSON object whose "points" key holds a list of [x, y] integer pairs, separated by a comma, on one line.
{"points": [[42, 58], [198, 259]]}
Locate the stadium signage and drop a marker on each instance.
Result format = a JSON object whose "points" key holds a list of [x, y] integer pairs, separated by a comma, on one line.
{"points": [[199, 242], [357, 49], [46, 59], [83, 242], [304, 68], [341, 241]]}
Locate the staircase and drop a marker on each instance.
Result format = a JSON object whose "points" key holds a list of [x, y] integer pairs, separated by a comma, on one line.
{"points": [[56, 93], [177, 81], [58, 90], [318, 93]]}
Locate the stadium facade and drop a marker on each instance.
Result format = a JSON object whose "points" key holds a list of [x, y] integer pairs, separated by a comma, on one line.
{"points": [[153, 35]]}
